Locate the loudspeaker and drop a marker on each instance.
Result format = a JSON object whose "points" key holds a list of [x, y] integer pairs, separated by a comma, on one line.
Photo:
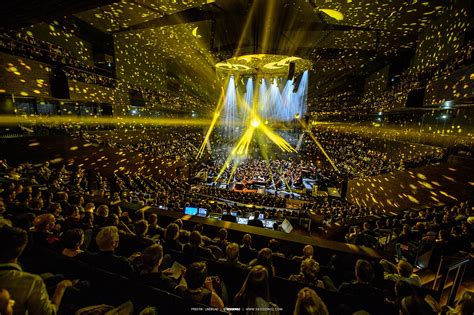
{"points": [[291, 71], [59, 84], [415, 98], [344, 188]]}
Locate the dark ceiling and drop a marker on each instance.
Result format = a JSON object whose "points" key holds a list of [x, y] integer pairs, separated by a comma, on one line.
{"points": [[370, 33]]}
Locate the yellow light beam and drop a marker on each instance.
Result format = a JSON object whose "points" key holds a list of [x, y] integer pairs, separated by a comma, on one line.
{"points": [[278, 140], [308, 130], [219, 107], [85, 120]]}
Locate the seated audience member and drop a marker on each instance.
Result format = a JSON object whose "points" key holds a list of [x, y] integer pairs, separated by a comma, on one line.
{"points": [[43, 235], [364, 273], [199, 228], [402, 290], [274, 245], [406, 235], [170, 241], [89, 207], [154, 230], [308, 302], [182, 231], [264, 258], [255, 221], [228, 217], [199, 287], [6, 303], [22, 206], [308, 252], [63, 200], [26, 289], [37, 206], [195, 248], [255, 293], [247, 252], [101, 216], [402, 271], [72, 241], [277, 227], [308, 275], [3, 219], [232, 256], [221, 239], [107, 241], [151, 274], [57, 211], [140, 241], [415, 304]]}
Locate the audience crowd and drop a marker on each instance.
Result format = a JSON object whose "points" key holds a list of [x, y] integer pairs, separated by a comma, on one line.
{"points": [[43, 207]]}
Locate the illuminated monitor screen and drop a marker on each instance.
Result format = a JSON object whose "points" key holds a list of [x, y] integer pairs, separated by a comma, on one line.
{"points": [[242, 220], [234, 213], [261, 216], [251, 217], [190, 210], [269, 223], [202, 212]]}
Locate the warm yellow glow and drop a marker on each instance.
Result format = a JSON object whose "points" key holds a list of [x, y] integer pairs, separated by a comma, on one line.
{"points": [[194, 32], [255, 122], [333, 13], [308, 130], [139, 121], [272, 62], [215, 118], [231, 66], [249, 58]]}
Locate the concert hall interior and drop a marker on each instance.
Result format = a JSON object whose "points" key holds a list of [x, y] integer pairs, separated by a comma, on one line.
{"points": [[237, 157]]}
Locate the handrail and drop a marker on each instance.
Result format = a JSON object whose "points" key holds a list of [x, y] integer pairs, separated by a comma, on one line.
{"points": [[460, 267]]}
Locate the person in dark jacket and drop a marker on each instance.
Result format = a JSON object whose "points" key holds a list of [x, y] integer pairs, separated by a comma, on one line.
{"points": [[195, 248], [255, 221], [107, 241]]}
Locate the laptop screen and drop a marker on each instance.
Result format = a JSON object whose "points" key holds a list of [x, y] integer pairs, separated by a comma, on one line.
{"points": [[242, 220], [190, 210]]}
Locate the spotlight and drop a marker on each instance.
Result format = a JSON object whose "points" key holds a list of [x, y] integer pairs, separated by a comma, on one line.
{"points": [[255, 122]]}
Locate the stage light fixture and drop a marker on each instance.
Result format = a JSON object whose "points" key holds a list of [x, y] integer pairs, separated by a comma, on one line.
{"points": [[255, 122]]}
